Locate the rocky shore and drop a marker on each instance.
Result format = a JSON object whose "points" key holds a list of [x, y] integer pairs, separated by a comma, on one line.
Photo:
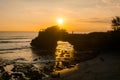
{"points": [[105, 66], [14, 70]]}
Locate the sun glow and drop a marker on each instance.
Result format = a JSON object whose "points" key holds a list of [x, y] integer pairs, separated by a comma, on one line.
{"points": [[60, 21]]}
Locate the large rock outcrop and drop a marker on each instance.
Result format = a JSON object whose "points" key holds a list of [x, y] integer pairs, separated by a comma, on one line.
{"points": [[95, 41], [47, 39]]}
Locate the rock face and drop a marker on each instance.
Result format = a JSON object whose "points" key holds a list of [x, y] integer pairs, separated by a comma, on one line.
{"points": [[47, 39], [95, 41]]}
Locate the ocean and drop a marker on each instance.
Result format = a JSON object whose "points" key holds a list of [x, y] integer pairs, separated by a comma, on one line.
{"points": [[17, 56], [16, 45]]}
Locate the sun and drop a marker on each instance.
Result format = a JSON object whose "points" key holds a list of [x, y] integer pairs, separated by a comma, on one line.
{"points": [[60, 21]]}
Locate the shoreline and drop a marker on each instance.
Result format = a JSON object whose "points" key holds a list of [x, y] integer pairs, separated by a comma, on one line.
{"points": [[105, 66], [102, 67]]}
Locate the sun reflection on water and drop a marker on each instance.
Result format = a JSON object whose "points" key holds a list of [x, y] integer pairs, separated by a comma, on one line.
{"points": [[64, 54]]}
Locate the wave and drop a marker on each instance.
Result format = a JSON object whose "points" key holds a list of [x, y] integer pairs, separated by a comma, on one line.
{"points": [[13, 41], [12, 38], [15, 48], [3, 52]]}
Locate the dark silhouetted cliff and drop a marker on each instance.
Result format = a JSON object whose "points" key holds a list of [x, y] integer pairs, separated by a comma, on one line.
{"points": [[47, 39], [96, 41]]}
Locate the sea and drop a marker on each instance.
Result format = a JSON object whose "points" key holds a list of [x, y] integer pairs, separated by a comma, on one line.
{"points": [[17, 45]]}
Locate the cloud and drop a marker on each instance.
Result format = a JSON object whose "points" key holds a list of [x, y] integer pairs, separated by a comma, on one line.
{"points": [[95, 20], [112, 3]]}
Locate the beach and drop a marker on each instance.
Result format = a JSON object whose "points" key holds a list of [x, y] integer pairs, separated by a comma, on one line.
{"points": [[105, 66]]}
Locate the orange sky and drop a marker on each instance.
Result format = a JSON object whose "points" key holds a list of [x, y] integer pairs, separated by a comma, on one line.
{"points": [[78, 15]]}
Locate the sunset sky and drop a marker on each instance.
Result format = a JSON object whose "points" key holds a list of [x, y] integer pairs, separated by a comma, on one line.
{"points": [[78, 15]]}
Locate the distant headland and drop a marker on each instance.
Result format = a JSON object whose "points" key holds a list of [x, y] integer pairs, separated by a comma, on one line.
{"points": [[95, 41]]}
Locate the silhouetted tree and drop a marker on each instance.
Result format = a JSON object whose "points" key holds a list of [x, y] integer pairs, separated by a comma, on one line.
{"points": [[116, 23]]}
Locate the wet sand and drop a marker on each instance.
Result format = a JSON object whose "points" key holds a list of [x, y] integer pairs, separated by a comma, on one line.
{"points": [[103, 67]]}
